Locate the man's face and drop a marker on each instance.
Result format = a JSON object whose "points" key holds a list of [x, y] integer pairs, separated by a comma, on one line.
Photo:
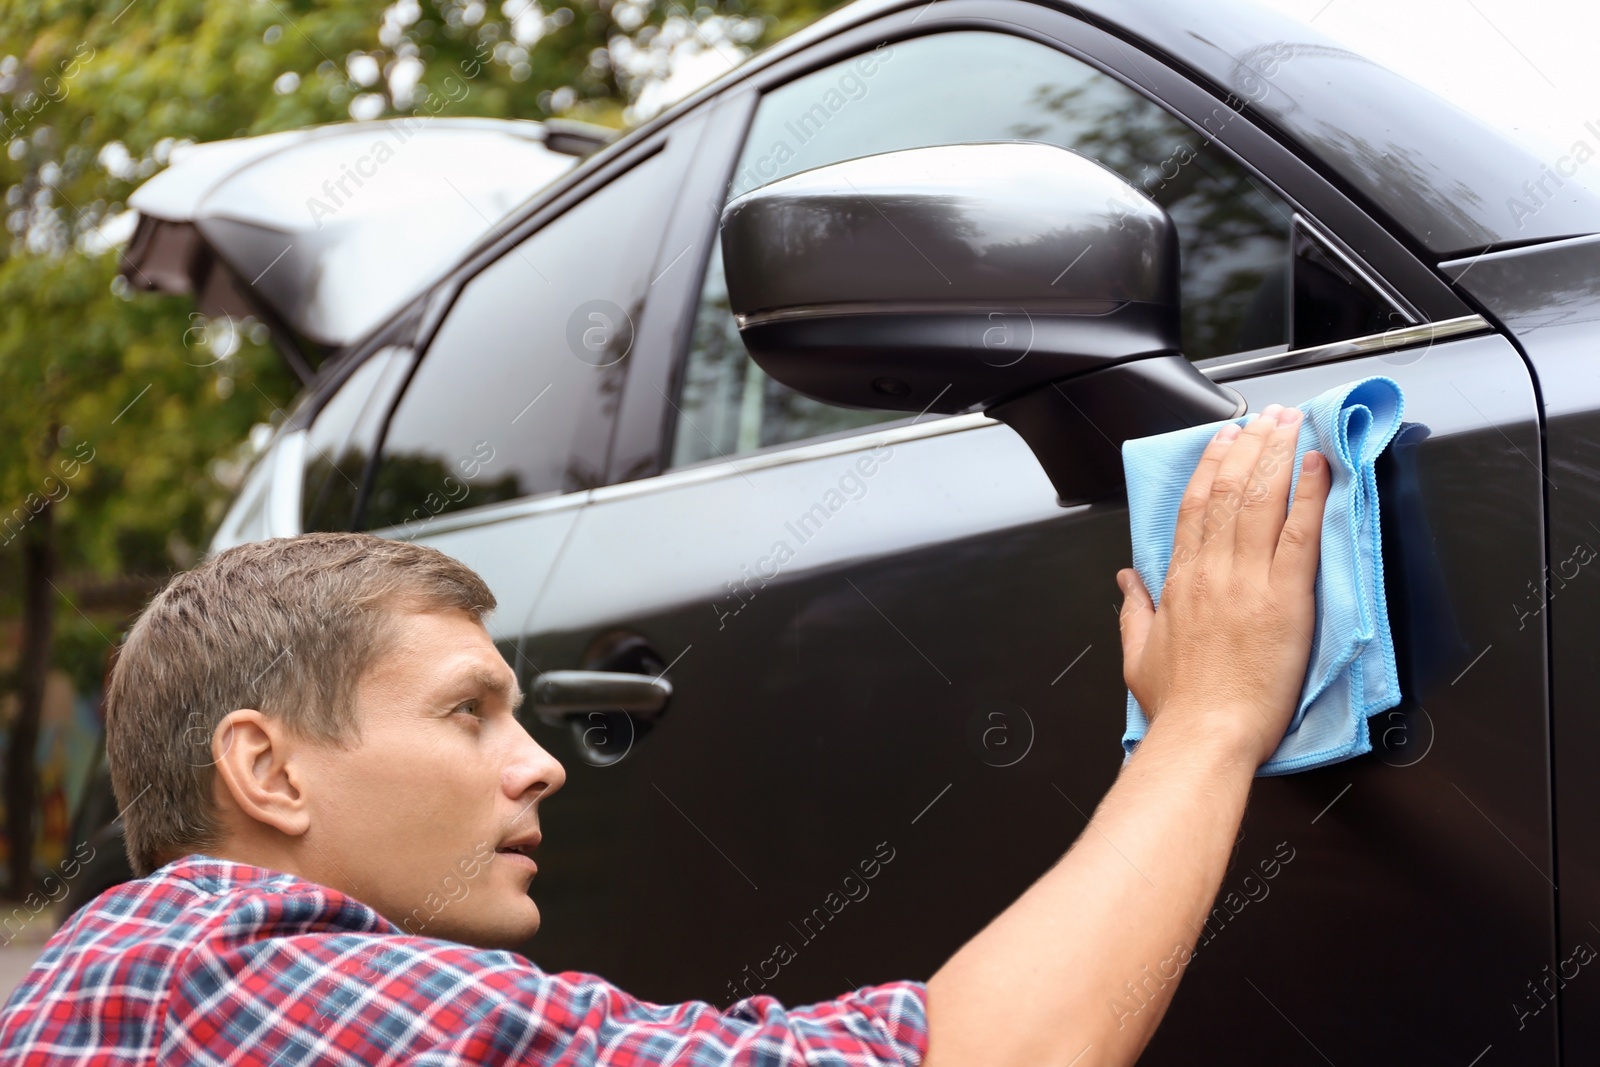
{"points": [[410, 819]]}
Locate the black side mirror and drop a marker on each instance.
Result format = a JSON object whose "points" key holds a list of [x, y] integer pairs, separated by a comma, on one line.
{"points": [[1019, 278]]}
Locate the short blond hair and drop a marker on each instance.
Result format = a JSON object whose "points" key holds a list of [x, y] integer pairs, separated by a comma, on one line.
{"points": [[287, 626]]}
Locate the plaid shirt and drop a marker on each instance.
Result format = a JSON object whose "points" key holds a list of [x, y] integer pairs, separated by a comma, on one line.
{"points": [[210, 962]]}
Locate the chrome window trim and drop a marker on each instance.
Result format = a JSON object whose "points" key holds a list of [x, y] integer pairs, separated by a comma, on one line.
{"points": [[1245, 364], [485, 515], [1219, 369], [756, 461], [705, 472]]}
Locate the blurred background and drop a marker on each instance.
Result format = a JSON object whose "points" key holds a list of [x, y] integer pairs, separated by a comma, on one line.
{"points": [[129, 418]]}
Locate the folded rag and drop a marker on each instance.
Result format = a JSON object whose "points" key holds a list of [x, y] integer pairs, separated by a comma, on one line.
{"points": [[1351, 674]]}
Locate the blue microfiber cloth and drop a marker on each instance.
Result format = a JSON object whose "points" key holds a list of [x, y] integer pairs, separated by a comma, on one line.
{"points": [[1351, 674]]}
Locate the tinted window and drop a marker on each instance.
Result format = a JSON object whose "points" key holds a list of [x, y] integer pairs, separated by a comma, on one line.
{"points": [[727, 405], [1332, 302], [341, 440], [515, 395], [975, 86]]}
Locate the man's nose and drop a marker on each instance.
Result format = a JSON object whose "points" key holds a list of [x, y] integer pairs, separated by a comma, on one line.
{"points": [[532, 773]]}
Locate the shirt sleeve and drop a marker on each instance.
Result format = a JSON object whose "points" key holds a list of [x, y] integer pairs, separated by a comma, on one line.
{"points": [[573, 1019]]}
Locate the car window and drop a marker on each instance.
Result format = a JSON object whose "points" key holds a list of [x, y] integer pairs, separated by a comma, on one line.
{"points": [[341, 440], [264, 506], [527, 366], [1332, 301], [1234, 236], [246, 519]]}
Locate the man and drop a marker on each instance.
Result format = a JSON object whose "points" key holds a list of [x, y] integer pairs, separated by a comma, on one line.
{"points": [[328, 798]]}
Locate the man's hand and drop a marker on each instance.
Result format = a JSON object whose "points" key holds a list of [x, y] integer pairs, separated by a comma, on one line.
{"points": [[1226, 653], [1082, 967]]}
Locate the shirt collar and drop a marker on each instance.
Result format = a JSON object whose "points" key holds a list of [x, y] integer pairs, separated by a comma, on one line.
{"points": [[216, 875]]}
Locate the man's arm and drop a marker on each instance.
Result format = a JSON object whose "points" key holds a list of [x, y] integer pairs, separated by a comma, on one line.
{"points": [[1063, 976]]}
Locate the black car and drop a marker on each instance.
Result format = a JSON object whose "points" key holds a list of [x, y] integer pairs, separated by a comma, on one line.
{"points": [[831, 655]]}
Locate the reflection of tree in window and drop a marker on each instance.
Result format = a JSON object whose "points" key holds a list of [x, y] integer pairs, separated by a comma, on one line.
{"points": [[330, 488], [728, 405], [1233, 238], [417, 486], [347, 427], [518, 388]]}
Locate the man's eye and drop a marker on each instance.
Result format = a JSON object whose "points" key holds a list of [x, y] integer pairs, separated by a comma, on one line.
{"points": [[471, 708]]}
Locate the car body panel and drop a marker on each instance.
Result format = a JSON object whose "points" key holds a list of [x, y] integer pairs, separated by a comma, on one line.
{"points": [[509, 552], [1548, 298]]}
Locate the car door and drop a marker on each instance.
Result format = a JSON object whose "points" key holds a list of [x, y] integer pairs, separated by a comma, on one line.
{"points": [[897, 691]]}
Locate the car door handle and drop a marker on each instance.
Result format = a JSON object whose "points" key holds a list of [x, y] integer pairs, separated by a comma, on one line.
{"points": [[560, 695]]}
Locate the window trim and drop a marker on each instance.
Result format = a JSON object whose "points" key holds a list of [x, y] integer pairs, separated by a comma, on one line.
{"points": [[1249, 364], [642, 433], [485, 515], [1335, 249], [782, 455]]}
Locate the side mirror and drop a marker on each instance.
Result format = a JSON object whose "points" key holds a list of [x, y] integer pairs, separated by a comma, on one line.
{"points": [[1019, 278]]}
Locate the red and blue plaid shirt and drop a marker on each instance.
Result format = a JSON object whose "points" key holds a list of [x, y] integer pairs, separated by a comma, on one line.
{"points": [[212, 962]]}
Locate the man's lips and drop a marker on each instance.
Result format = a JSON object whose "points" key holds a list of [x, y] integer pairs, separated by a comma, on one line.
{"points": [[518, 852], [517, 859]]}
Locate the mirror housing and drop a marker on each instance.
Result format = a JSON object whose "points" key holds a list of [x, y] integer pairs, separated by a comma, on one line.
{"points": [[1020, 278]]}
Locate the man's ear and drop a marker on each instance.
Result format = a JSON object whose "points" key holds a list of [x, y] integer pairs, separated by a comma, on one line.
{"points": [[253, 759]]}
